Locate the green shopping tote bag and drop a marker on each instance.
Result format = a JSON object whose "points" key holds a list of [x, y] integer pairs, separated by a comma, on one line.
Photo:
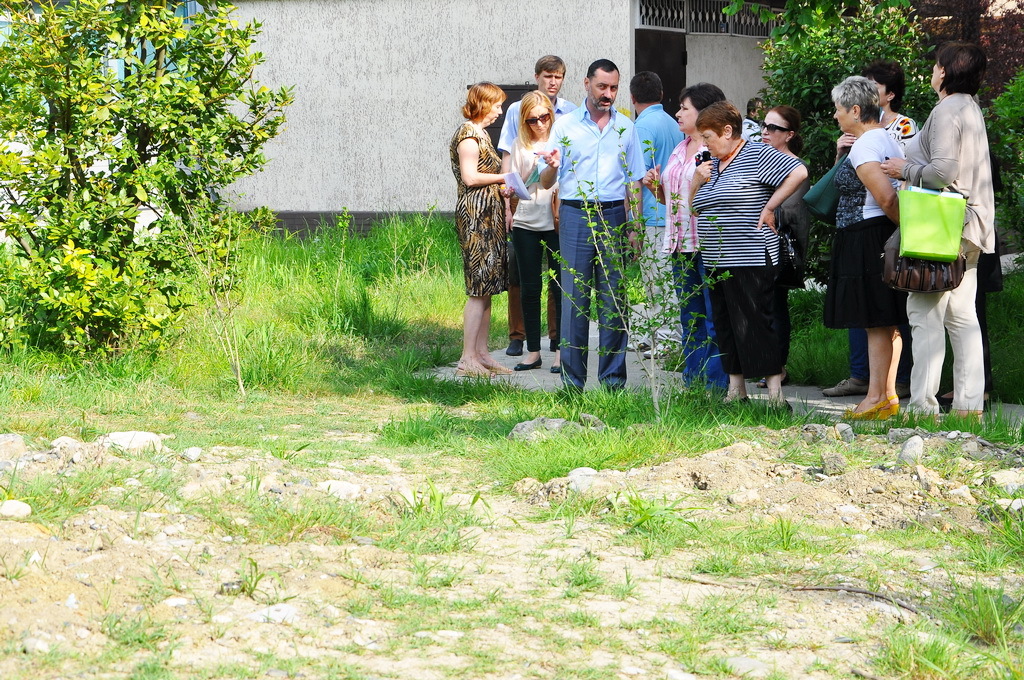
{"points": [[931, 223]]}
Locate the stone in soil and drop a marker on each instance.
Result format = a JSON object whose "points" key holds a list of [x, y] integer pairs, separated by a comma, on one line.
{"points": [[833, 463], [1007, 481], [278, 613], [345, 491], [133, 441], [192, 454], [33, 645], [844, 432], [15, 509], [12, 446], [581, 479], [746, 667], [912, 451]]}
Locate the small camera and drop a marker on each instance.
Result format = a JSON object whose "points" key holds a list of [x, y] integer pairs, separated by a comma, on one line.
{"points": [[702, 157]]}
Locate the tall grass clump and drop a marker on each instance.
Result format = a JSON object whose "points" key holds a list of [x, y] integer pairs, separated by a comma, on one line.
{"points": [[334, 310]]}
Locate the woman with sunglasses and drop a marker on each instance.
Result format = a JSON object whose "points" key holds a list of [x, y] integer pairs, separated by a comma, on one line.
{"points": [[781, 130], [533, 223]]}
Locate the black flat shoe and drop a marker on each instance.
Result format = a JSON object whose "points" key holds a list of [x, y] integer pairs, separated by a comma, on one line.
{"points": [[555, 369], [515, 348], [528, 367]]}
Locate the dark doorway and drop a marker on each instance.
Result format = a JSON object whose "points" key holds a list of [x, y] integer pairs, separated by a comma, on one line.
{"points": [[663, 52]]}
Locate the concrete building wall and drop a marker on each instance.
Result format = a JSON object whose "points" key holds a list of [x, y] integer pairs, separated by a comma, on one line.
{"points": [[379, 85], [732, 63]]}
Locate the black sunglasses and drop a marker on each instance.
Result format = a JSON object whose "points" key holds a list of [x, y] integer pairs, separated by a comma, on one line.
{"points": [[541, 119], [772, 127]]}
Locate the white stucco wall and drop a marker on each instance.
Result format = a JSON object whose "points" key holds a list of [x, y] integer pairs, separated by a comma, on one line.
{"points": [[379, 84], [732, 63]]}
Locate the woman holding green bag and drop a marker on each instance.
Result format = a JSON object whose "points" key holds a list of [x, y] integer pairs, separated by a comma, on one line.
{"points": [[951, 152]]}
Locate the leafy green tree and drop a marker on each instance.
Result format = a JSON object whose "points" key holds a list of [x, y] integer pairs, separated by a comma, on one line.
{"points": [[797, 15], [112, 111], [801, 72]]}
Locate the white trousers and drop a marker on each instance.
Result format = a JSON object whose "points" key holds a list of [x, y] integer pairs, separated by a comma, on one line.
{"points": [[931, 316]]}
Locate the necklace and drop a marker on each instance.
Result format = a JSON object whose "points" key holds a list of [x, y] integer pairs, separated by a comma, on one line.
{"points": [[723, 161]]}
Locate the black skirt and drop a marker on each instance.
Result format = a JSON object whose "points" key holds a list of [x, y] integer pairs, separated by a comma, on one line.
{"points": [[856, 296]]}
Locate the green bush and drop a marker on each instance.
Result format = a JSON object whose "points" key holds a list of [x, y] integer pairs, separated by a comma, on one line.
{"points": [[112, 110], [1006, 137], [803, 68]]}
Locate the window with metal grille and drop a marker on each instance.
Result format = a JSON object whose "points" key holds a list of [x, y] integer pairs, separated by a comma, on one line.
{"points": [[704, 16], [663, 14]]}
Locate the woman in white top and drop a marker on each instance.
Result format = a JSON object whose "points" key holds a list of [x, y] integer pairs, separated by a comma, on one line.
{"points": [[891, 82], [867, 215], [533, 224]]}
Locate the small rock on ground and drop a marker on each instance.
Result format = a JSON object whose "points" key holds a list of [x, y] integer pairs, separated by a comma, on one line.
{"points": [[345, 491], [676, 674], [747, 668], [744, 497], [1007, 481], [581, 479], [133, 441], [833, 463], [33, 645], [192, 454], [912, 451], [12, 446], [844, 432], [15, 509], [278, 613]]}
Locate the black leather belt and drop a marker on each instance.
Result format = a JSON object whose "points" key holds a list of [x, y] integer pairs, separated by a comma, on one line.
{"points": [[603, 205]]}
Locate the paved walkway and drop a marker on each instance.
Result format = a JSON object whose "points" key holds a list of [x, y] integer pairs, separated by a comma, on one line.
{"points": [[803, 398]]}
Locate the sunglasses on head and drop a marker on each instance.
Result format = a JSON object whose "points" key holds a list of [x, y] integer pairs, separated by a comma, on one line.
{"points": [[772, 127], [540, 119]]}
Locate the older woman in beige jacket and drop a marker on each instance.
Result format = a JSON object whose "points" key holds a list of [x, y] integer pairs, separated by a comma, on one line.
{"points": [[951, 152]]}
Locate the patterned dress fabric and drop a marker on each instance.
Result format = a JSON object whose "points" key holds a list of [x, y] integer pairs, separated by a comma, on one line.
{"points": [[480, 220]]}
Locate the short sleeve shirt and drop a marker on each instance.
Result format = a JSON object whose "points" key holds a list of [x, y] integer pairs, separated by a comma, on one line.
{"points": [[856, 203], [729, 206]]}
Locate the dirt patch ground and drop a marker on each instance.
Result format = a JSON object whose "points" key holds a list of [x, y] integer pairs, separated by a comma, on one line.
{"points": [[258, 562]]}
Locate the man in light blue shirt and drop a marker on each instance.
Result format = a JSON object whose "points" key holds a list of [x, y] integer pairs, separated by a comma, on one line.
{"points": [[659, 134], [549, 72], [598, 161]]}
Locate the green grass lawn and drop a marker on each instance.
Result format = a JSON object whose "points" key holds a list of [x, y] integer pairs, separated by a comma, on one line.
{"points": [[333, 314]]}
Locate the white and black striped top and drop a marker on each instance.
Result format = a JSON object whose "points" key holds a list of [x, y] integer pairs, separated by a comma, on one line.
{"points": [[729, 206]]}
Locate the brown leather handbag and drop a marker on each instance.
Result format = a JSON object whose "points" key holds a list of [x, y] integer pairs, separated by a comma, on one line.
{"points": [[914, 275]]}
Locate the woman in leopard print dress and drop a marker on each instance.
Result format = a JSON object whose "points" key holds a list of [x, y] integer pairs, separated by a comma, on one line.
{"points": [[480, 223]]}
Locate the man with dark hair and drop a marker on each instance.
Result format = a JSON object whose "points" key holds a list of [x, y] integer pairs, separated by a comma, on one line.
{"points": [[597, 159], [752, 123], [549, 72], [659, 134]]}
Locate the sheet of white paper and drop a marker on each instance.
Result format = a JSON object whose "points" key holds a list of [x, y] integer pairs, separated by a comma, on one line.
{"points": [[514, 181]]}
